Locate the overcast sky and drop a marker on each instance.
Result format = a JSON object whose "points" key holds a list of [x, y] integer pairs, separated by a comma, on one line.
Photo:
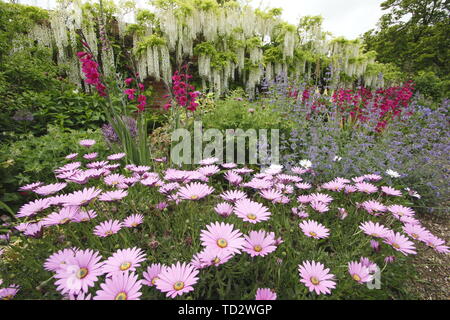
{"points": [[348, 18]]}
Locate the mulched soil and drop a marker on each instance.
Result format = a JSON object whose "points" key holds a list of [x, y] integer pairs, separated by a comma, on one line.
{"points": [[433, 278]]}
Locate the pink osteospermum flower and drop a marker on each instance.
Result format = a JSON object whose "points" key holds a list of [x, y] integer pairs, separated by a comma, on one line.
{"points": [[400, 211], [333, 186], [121, 286], [212, 257], [373, 207], [32, 208], [366, 187], [31, 186], [437, 244], [400, 243], [195, 191], [259, 184], [87, 142], [229, 165], [208, 161], [303, 185], [233, 178], [9, 292], [34, 230], [152, 274], [50, 188], [304, 199], [116, 156], [251, 211], [222, 236], [177, 279], [114, 179], [65, 215], [375, 230], [108, 228], [316, 277], [359, 272], [265, 294], [259, 243], [90, 156], [299, 212], [391, 191], [209, 170], [111, 196], [319, 206], [82, 197], [224, 209], [313, 229], [233, 195], [71, 156], [124, 260], [69, 167], [59, 260], [80, 272], [271, 194], [416, 232], [133, 221], [97, 164], [85, 215]]}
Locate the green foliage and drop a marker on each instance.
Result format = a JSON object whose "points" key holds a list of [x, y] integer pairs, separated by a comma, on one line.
{"points": [[29, 158], [431, 86]]}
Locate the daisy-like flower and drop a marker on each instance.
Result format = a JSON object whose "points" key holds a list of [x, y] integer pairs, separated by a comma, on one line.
{"points": [[273, 169], [400, 211], [31, 186], [59, 260], [303, 186], [366, 187], [316, 277], [80, 177], [140, 169], [124, 260], [150, 181], [375, 245], [400, 243], [116, 156], [222, 236], [50, 188], [115, 195], [391, 191], [251, 211], [71, 156], [32, 208], [373, 177], [121, 286], [334, 185], [65, 215], [319, 206], [85, 215], [304, 199], [82, 197], [416, 232], [209, 170], [69, 167], [9, 292], [96, 164], [299, 170], [108, 228], [22, 226], [359, 272], [224, 209], [437, 244], [233, 195], [233, 178], [177, 279], [195, 191], [208, 161], [161, 206], [392, 173], [265, 294], [372, 266], [287, 178], [306, 164], [271, 194], [299, 212], [259, 243], [342, 213], [34, 230], [375, 230], [90, 156], [243, 170], [133, 221], [229, 165], [212, 257], [152, 274], [114, 179], [314, 229], [350, 189], [80, 272], [87, 142], [259, 184], [373, 207]]}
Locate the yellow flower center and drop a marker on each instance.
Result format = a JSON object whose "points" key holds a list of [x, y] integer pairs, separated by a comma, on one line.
{"points": [[356, 277], [121, 296], [7, 297], [313, 234], [222, 243], [108, 233], [314, 281], [64, 221], [376, 235], [82, 273], [216, 260], [396, 246], [154, 280], [194, 197], [125, 266], [114, 183], [257, 248], [415, 235], [251, 216], [134, 224], [178, 285]]}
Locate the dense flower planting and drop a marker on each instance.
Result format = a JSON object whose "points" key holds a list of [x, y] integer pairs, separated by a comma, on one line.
{"points": [[112, 232]]}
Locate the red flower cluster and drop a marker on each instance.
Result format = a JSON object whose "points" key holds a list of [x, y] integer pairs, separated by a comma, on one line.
{"points": [[90, 70], [142, 99], [184, 93]]}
